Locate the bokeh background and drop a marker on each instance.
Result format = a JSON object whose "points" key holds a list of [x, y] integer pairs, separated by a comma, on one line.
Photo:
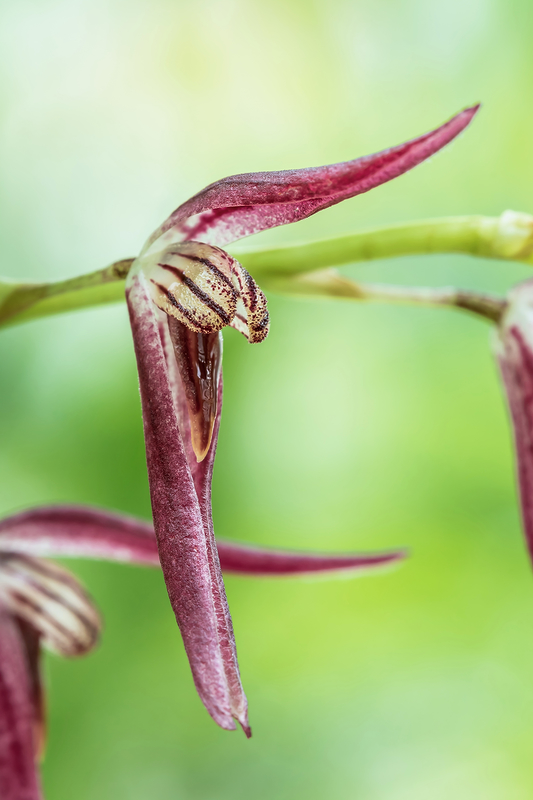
{"points": [[353, 427]]}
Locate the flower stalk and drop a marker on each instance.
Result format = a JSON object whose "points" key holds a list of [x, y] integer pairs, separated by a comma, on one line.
{"points": [[508, 237]]}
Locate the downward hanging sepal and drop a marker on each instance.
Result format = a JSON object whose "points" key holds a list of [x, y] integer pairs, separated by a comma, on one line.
{"points": [[186, 545]]}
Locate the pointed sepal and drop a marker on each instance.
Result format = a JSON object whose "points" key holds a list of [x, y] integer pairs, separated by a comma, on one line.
{"points": [[186, 545], [80, 531], [241, 205]]}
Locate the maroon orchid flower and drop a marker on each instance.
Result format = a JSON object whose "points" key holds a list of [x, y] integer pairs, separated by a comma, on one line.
{"points": [[181, 291], [41, 603], [514, 350]]}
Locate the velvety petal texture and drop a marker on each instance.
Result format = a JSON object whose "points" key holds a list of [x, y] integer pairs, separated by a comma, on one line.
{"points": [[241, 205], [32, 645], [79, 531], [514, 350], [186, 545], [18, 773]]}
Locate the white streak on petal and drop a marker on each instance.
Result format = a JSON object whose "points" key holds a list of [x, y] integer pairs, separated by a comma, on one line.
{"points": [[52, 601]]}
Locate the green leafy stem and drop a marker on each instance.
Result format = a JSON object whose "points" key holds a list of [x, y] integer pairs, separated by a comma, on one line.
{"points": [[309, 269]]}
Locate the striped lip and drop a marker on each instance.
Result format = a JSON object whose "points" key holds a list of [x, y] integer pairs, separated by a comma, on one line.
{"points": [[201, 289], [206, 289], [51, 600]]}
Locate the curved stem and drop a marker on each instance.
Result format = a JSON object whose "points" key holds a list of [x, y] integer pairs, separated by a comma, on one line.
{"points": [[328, 283], [21, 302], [507, 237]]}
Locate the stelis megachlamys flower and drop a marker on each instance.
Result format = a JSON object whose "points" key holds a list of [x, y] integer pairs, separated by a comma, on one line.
{"points": [[181, 291], [41, 603], [514, 351]]}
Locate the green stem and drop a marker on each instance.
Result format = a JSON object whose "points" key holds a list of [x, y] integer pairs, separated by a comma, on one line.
{"points": [[507, 237], [328, 283], [20, 302]]}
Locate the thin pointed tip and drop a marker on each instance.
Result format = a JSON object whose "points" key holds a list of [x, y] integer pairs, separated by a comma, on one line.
{"points": [[459, 122], [247, 731], [470, 112]]}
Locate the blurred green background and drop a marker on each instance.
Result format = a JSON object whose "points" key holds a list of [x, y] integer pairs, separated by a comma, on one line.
{"points": [[352, 427]]}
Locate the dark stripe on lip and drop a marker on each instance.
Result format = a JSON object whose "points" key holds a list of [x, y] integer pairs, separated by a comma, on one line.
{"points": [[206, 300], [181, 309], [197, 292], [51, 595], [178, 273], [252, 289], [39, 611], [209, 264], [41, 567]]}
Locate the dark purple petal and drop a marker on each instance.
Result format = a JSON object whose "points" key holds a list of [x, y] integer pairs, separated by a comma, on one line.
{"points": [[18, 772], [76, 531], [32, 645], [186, 546], [241, 205], [258, 561], [515, 356], [79, 532], [178, 367]]}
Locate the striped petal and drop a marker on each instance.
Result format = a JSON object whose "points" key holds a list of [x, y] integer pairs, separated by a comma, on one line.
{"points": [[93, 533], [18, 773], [205, 289], [51, 600], [195, 284], [514, 351], [241, 205], [186, 545]]}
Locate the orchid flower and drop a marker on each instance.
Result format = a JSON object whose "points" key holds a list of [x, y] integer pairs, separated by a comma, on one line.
{"points": [[181, 291], [41, 603], [514, 351]]}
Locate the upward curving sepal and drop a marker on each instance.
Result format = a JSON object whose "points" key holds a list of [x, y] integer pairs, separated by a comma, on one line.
{"points": [[241, 205]]}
